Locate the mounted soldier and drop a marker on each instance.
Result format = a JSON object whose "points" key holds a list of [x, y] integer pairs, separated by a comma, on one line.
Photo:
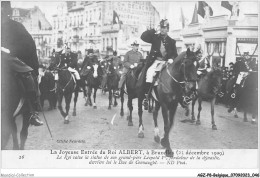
{"points": [[18, 43], [89, 60], [131, 60], [70, 60], [163, 49]]}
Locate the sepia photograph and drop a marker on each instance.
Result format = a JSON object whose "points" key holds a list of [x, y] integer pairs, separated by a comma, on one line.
{"points": [[138, 84]]}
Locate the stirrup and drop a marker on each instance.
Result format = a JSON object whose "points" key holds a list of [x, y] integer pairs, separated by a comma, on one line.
{"points": [[145, 102], [34, 119]]}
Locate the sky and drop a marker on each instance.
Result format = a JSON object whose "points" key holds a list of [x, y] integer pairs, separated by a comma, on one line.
{"points": [[169, 9]]}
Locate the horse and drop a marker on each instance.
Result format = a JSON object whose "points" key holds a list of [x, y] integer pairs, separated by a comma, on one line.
{"points": [[48, 89], [133, 91], [13, 105], [66, 86], [104, 77], [248, 95], [243, 96], [242, 93], [93, 76], [209, 86], [112, 80], [174, 80]]}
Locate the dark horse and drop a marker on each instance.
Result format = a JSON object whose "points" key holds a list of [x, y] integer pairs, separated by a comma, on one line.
{"points": [[93, 77], [133, 92], [12, 105], [112, 79], [209, 86], [174, 80], [48, 90], [243, 96], [66, 86]]}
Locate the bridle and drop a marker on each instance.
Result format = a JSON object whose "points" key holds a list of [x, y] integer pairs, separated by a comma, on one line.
{"points": [[183, 83]]}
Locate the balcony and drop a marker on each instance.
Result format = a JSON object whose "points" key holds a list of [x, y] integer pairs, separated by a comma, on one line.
{"points": [[110, 28]]}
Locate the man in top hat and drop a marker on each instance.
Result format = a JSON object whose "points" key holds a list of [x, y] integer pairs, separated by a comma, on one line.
{"points": [[18, 46], [165, 49], [131, 60]]}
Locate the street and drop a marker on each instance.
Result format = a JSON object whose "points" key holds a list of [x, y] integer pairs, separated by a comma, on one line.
{"points": [[105, 129]]}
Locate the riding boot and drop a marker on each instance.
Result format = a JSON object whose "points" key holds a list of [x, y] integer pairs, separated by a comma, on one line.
{"points": [[80, 84], [31, 97], [148, 89]]}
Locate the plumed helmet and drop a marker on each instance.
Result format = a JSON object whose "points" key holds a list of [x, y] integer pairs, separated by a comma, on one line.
{"points": [[164, 23]]}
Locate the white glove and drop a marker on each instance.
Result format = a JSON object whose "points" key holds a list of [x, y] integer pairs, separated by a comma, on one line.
{"points": [[135, 64], [132, 66], [170, 61], [88, 67]]}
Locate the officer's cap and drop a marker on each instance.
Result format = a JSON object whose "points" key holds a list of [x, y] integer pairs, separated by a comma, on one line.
{"points": [[135, 43], [164, 23]]}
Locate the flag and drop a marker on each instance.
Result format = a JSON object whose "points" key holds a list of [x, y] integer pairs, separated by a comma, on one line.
{"points": [[182, 19], [39, 24], [115, 18], [201, 10], [226, 5], [195, 15]]}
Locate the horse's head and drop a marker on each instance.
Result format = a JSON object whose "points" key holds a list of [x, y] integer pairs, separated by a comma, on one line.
{"points": [[111, 68], [55, 61], [97, 70], [188, 70]]}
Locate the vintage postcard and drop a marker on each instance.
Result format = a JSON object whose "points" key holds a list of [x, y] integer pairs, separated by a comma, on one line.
{"points": [[129, 88]]}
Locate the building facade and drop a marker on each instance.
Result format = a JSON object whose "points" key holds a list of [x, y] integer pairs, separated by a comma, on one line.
{"points": [[90, 24], [223, 39], [38, 26]]}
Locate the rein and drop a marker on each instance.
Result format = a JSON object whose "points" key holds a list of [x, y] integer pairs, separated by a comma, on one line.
{"points": [[67, 83]]}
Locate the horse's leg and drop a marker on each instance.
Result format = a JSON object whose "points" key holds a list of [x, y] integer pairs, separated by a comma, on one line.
{"points": [[155, 116], [76, 94], [14, 134], [89, 95], [165, 140], [235, 113], [199, 109], [94, 97], [130, 107], [149, 106], [245, 116], [115, 102], [172, 110], [192, 110], [214, 127], [109, 98], [67, 101], [140, 114], [122, 103], [24, 131]]}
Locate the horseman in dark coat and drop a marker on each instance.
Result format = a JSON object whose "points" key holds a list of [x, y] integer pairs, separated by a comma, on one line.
{"points": [[163, 49], [70, 61], [18, 43], [89, 61]]}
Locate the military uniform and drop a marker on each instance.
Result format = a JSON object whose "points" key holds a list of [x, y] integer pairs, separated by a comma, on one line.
{"points": [[70, 60], [164, 47], [131, 57]]}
